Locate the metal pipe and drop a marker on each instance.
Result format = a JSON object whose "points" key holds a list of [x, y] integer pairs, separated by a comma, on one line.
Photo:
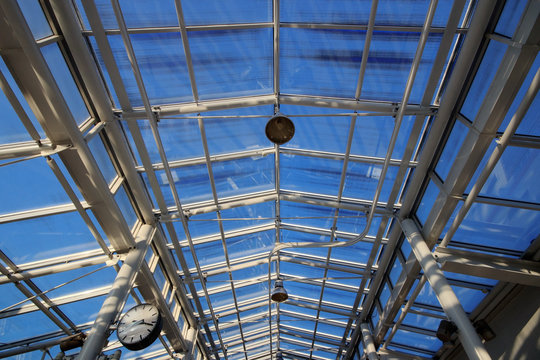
{"points": [[187, 51], [116, 299], [367, 44], [447, 298], [410, 303], [369, 345]]}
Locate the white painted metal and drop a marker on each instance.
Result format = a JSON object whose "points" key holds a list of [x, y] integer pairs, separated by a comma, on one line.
{"points": [[447, 298], [367, 339], [114, 302]]}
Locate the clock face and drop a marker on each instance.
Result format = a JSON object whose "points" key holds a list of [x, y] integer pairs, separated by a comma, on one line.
{"points": [[139, 327]]}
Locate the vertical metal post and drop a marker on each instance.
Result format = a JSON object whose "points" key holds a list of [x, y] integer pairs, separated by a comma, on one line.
{"points": [[447, 298], [191, 339], [117, 296], [369, 345]]}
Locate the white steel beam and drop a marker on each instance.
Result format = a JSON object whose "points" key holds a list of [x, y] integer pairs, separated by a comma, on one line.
{"points": [[456, 82], [500, 268], [115, 301], [270, 99], [447, 298], [55, 269]]}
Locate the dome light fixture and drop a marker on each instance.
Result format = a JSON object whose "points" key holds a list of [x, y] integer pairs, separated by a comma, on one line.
{"points": [[279, 129], [279, 294]]}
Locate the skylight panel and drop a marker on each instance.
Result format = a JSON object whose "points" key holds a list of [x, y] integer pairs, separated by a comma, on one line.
{"points": [[362, 180], [232, 63], [310, 129], [529, 124], [48, 236], [329, 66], [511, 179], [65, 82], [35, 18], [391, 55], [250, 244], [249, 215], [310, 174], [163, 67], [500, 227], [180, 137], [325, 12], [243, 176], [12, 127], [229, 12], [25, 326], [483, 78]]}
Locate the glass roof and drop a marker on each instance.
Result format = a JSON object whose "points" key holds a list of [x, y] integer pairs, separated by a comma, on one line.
{"points": [[124, 115]]}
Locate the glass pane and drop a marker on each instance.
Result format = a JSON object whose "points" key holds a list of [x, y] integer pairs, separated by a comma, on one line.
{"points": [[247, 216], [410, 12], [339, 296], [35, 18], [25, 326], [308, 174], [226, 12], [512, 177], [328, 67], [244, 176], [362, 179], [91, 277], [48, 236], [422, 321], [390, 59], [192, 184], [451, 149], [310, 130], [210, 253], [29, 184], [83, 311], [237, 134], [181, 139], [64, 80], [485, 74], [12, 128], [529, 124], [199, 225], [251, 244], [162, 63], [356, 254], [232, 63], [510, 17], [323, 11], [499, 227], [149, 13], [102, 157], [420, 341], [372, 136], [126, 207]]}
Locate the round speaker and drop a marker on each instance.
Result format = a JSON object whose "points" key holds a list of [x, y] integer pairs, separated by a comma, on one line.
{"points": [[279, 129]]}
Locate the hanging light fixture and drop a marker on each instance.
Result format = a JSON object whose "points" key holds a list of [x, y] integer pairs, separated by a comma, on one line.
{"points": [[279, 129], [279, 294]]}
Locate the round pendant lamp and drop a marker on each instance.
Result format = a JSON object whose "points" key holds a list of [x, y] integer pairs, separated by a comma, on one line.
{"points": [[279, 129]]}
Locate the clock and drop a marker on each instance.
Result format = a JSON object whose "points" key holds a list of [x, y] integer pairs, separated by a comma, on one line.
{"points": [[139, 327]]}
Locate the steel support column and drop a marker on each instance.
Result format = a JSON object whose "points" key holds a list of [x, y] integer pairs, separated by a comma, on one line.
{"points": [[447, 298], [369, 345], [116, 299]]}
